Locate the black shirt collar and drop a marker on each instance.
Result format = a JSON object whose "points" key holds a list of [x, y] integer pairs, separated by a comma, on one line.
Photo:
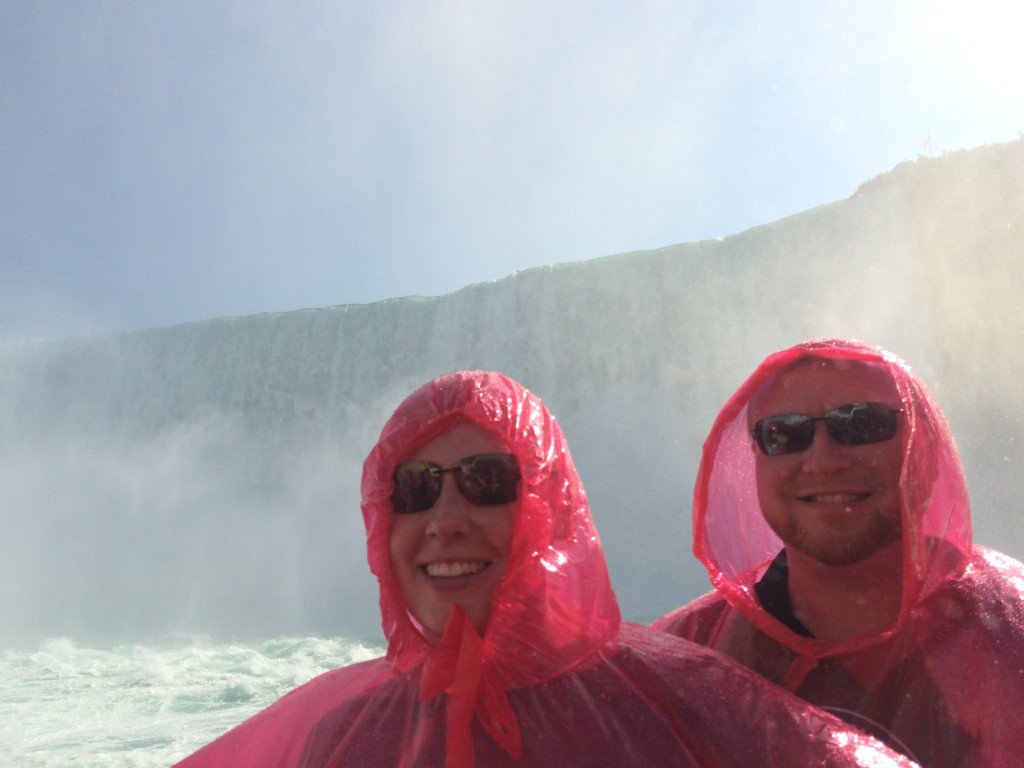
{"points": [[772, 591]]}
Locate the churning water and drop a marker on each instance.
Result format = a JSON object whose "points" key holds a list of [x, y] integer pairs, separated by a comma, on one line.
{"points": [[145, 705]]}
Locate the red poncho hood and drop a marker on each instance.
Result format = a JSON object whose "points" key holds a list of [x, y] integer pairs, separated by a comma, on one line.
{"points": [[554, 604], [732, 539], [945, 682]]}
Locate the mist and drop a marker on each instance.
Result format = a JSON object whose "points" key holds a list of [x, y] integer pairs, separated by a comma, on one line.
{"points": [[165, 164], [203, 478]]}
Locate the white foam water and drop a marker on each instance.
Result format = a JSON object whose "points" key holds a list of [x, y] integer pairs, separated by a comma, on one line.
{"points": [[148, 704]]}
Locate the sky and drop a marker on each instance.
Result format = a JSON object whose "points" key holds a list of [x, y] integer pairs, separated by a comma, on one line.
{"points": [[164, 163]]}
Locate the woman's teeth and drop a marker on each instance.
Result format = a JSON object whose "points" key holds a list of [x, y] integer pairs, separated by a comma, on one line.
{"points": [[449, 570]]}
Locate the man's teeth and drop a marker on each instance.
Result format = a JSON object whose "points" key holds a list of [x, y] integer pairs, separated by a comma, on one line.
{"points": [[835, 498], [448, 570]]}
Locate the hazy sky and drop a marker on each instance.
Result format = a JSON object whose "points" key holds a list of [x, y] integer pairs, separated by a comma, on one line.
{"points": [[165, 162]]}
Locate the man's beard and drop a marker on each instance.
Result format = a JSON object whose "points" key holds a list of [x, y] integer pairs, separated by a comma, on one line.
{"points": [[842, 549]]}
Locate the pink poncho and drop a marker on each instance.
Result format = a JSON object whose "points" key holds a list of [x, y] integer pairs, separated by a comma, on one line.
{"points": [[555, 679], [945, 683]]}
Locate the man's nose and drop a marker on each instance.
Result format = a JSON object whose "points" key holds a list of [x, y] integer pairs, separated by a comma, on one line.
{"points": [[825, 454], [450, 514]]}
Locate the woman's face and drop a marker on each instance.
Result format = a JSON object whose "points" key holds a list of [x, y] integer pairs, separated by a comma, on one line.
{"points": [[455, 551]]}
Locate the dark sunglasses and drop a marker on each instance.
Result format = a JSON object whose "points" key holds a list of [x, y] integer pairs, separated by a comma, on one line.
{"points": [[851, 424], [486, 479]]}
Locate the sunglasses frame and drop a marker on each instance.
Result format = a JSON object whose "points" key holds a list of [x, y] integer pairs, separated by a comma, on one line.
{"points": [[838, 423], [404, 502]]}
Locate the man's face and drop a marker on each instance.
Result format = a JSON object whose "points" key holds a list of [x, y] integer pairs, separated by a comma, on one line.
{"points": [[837, 504], [455, 552]]}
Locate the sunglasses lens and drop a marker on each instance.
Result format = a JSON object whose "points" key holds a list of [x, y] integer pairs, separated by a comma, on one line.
{"points": [[851, 424], [416, 488], [489, 478], [861, 423], [785, 433], [486, 479]]}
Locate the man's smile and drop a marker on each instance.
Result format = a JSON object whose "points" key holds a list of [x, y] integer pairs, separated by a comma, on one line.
{"points": [[833, 498]]}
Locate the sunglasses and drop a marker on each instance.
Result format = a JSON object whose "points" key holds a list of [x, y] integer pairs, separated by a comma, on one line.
{"points": [[485, 479], [851, 424]]}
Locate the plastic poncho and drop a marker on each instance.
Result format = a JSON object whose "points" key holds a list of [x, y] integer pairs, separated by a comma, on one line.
{"points": [[555, 679], [945, 683]]}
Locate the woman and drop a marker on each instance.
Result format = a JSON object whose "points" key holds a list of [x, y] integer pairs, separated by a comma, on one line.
{"points": [[505, 646]]}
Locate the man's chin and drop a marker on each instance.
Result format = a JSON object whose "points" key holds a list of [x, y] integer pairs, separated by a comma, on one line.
{"points": [[844, 553]]}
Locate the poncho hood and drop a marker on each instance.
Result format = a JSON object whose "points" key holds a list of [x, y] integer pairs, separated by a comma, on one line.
{"points": [[554, 605], [555, 601], [732, 539]]}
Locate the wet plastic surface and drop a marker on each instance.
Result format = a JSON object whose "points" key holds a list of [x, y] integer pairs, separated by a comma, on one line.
{"points": [[945, 683], [555, 679]]}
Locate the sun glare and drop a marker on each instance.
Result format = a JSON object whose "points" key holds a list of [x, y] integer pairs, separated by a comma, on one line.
{"points": [[983, 39]]}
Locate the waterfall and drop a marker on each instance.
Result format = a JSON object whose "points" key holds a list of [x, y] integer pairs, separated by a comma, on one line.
{"points": [[204, 477]]}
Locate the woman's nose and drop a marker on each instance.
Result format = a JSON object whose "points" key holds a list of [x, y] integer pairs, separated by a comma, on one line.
{"points": [[450, 514]]}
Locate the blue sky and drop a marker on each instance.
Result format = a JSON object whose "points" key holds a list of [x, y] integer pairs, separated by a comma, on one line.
{"points": [[171, 162]]}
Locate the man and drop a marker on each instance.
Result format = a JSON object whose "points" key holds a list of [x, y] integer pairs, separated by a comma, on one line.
{"points": [[832, 515]]}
